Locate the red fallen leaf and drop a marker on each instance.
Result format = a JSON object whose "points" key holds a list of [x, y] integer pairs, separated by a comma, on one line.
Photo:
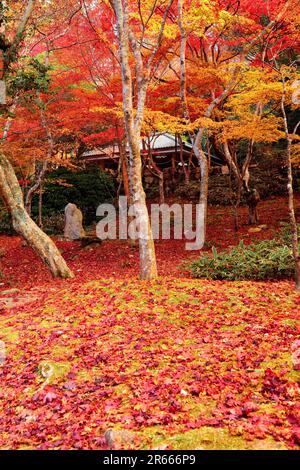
{"points": [[129, 297], [249, 407], [195, 391], [58, 443], [111, 405], [294, 418], [296, 436], [167, 419], [116, 334], [36, 397], [175, 406], [70, 385], [295, 345], [272, 384], [49, 397]]}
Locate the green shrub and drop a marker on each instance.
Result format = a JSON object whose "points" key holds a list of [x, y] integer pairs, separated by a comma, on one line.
{"points": [[54, 224], [286, 233], [5, 221], [86, 188], [190, 191], [264, 260]]}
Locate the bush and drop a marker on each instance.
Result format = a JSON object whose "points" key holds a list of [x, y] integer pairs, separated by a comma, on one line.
{"points": [[269, 259], [5, 222], [54, 224], [219, 192], [190, 191], [86, 188], [286, 233]]}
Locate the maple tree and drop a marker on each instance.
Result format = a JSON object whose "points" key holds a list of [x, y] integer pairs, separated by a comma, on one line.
{"points": [[212, 88], [13, 36], [103, 360], [142, 39], [289, 140], [210, 51]]}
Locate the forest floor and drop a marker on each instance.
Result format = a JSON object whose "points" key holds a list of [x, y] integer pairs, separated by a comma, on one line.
{"points": [[178, 363]]}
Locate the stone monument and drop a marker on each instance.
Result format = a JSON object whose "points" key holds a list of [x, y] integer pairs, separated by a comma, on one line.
{"points": [[73, 223]]}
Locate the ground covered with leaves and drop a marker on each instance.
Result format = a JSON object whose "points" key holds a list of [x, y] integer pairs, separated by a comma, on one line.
{"points": [[178, 363]]}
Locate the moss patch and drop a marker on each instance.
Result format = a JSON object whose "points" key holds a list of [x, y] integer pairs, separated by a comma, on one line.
{"points": [[53, 372], [209, 438]]}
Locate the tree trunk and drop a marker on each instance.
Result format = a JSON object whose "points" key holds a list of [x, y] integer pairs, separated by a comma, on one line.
{"points": [[40, 173], [25, 226], [293, 221], [126, 182], [235, 171], [148, 269], [183, 44], [161, 188], [202, 158], [41, 207], [157, 172], [125, 175], [185, 168], [237, 204], [173, 173], [203, 199]]}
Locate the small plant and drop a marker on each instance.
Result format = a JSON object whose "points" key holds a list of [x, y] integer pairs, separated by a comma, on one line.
{"points": [[189, 191], [54, 224], [269, 259], [5, 222]]}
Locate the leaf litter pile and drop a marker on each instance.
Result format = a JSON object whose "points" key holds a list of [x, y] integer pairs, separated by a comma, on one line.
{"points": [[174, 364]]}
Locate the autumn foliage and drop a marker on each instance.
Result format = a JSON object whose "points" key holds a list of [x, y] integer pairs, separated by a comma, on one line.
{"points": [[175, 361]]}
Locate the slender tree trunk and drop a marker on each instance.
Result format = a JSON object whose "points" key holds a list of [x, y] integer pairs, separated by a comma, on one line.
{"points": [[293, 221], [25, 226], [183, 44], [183, 91], [148, 268], [161, 187], [197, 142], [119, 179], [237, 204], [160, 175], [235, 171], [9, 186], [41, 206], [202, 158], [203, 199], [186, 170], [125, 173], [35, 187], [173, 173], [126, 182]]}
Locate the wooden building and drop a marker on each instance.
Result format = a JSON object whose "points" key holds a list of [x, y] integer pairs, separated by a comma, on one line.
{"points": [[164, 149]]}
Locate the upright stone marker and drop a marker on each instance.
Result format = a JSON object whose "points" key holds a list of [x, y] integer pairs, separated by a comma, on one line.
{"points": [[2, 353], [2, 92], [73, 223]]}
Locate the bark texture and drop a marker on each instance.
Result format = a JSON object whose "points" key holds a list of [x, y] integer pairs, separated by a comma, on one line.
{"points": [[293, 222], [133, 117], [43, 245]]}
